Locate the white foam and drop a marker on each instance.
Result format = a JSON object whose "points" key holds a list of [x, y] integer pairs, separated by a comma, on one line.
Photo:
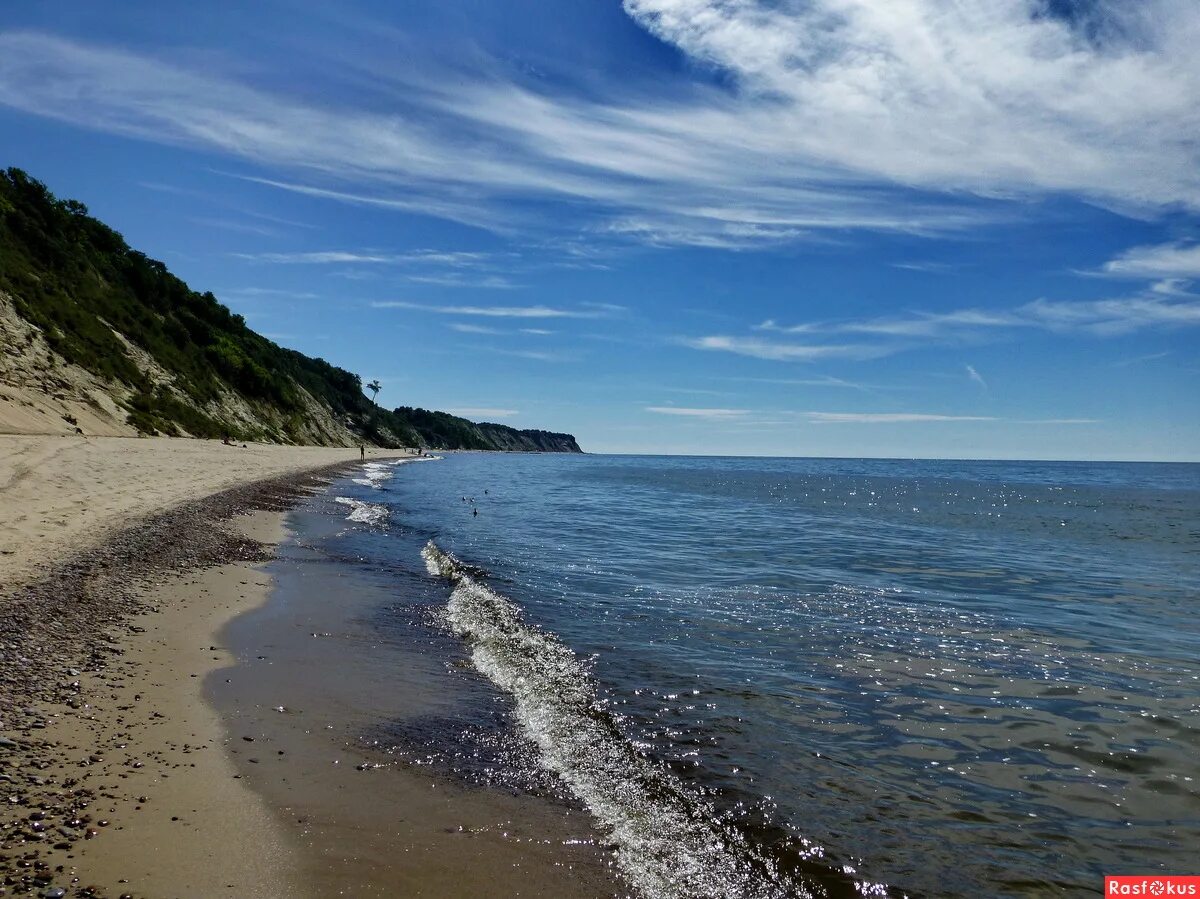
{"points": [[670, 843], [375, 473], [364, 513]]}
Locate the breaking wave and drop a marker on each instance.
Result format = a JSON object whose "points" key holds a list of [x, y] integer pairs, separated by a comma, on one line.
{"points": [[670, 842], [364, 513], [375, 473]]}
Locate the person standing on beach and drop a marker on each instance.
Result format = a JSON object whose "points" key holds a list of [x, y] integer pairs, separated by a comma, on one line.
{"points": [[362, 452]]}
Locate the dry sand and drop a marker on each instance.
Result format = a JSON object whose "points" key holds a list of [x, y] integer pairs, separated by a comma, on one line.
{"points": [[113, 779], [58, 494]]}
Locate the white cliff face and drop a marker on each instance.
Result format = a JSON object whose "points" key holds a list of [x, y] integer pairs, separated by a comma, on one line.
{"points": [[42, 393]]}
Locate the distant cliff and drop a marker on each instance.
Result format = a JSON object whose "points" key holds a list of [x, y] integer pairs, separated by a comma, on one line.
{"points": [[451, 432], [506, 438], [98, 337]]}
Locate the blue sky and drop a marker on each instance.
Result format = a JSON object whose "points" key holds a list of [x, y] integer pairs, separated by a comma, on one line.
{"points": [[831, 227]]}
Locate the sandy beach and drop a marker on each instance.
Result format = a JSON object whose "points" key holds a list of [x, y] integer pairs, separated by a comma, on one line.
{"points": [[141, 753], [121, 561], [59, 494]]}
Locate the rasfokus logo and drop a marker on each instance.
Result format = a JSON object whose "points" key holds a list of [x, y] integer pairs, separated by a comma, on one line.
{"points": [[1151, 885]]}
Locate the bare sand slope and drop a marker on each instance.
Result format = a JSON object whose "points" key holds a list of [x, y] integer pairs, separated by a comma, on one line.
{"points": [[60, 494]]}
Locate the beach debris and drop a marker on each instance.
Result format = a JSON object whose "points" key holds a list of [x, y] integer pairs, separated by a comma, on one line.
{"points": [[72, 621]]}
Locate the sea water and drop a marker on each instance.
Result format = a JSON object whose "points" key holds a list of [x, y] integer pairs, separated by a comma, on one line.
{"points": [[791, 677]]}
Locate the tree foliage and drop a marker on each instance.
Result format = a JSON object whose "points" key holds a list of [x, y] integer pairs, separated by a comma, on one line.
{"points": [[78, 281]]}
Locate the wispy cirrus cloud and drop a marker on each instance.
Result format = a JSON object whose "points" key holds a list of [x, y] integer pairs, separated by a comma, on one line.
{"points": [[920, 324], [833, 115], [468, 328], [1058, 421], [537, 311], [823, 381], [535, 355], [464, 328], [1159, 261], [451, 258], [873, 418], [889, 417], [792, 418], [1152, 309], [781, 351], [693, 412], [436, 268], [1120, 315], [976, 376], [1141, 360], [938, 268], [487, 282]]}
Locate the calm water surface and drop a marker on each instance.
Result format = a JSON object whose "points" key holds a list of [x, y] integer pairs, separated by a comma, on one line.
{"points": [[773, 677]]}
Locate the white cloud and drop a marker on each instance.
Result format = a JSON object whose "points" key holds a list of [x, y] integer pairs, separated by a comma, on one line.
{"points": [[1139, 360], [889, 417], [367, 257], [833, 110], [780, 350], [932, 268], [480, 413], [685, 412], [474, 329], [971, 94], [976, 377], [825, 381], [321, 258], [1172, 260], [1058, 421], [487, 329], [1122, 315], [535, 355], [489, 282], [440, 268], [924, 418], [1163, 305], [491, 311], [919, 324]]}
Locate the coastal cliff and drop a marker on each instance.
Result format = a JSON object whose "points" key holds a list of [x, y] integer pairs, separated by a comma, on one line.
{"points": [[98, 338]]}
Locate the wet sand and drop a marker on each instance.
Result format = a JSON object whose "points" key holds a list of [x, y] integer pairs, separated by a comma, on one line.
{"points": [[119, 559], [201, 830], [313, 704]]}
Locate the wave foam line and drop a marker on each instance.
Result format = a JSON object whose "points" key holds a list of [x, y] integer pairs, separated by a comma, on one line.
{"points": [[363, 513], [375, 473], [670, 843]]}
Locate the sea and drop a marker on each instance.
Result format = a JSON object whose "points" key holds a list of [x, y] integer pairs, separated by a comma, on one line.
{"points": [[807, 677]]}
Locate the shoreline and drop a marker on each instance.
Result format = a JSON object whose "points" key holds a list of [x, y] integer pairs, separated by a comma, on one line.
{"points": [[108, 773], [62, 495], [332, 672], [123, 770]]}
